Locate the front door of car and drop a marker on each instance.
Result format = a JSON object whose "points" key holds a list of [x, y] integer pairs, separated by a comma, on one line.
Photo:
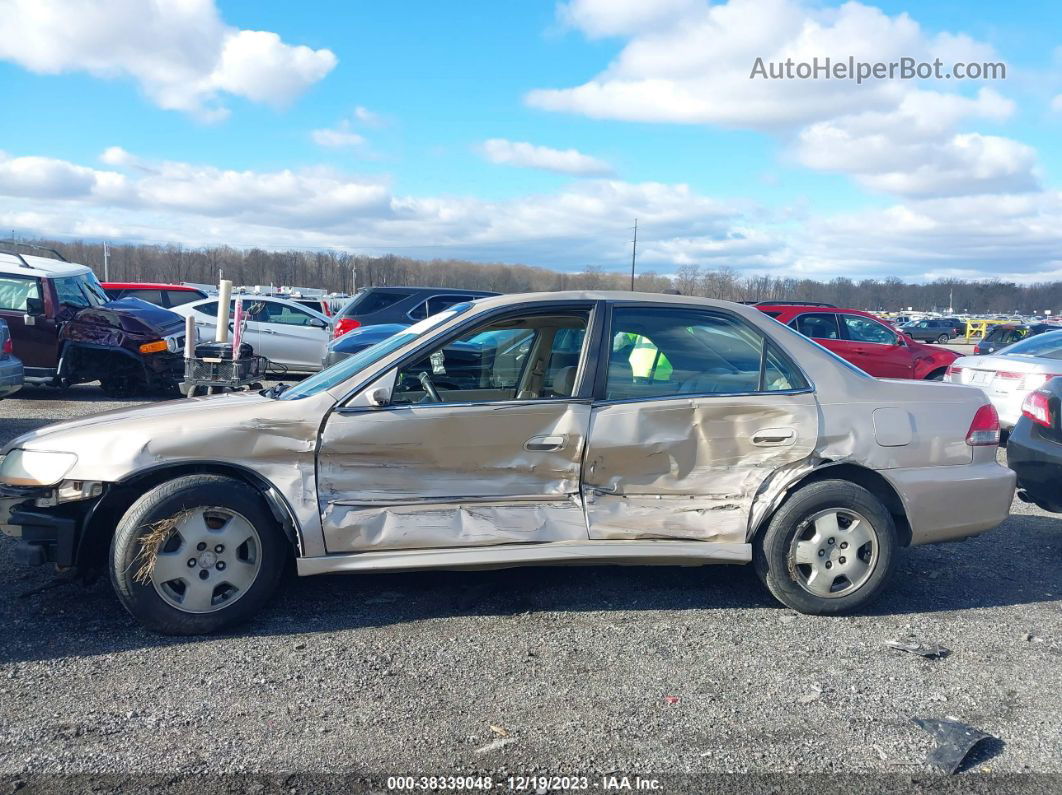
{"points": [[297, 338], [698, 410], [33, 334], [876, 348], [479, 442]]}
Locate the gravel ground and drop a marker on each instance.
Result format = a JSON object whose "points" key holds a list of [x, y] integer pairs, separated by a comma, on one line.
{"points": [[637, 670]]}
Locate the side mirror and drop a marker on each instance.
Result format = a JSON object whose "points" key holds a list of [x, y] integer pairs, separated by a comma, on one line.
{"points": [[379, 397], [34, 306], [318, 323]]}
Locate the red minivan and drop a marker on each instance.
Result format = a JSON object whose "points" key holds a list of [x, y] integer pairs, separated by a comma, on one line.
{"points": [[864, 340]]}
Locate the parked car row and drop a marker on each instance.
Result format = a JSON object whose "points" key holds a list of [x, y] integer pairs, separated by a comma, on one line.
{"points": [[525, 430]]}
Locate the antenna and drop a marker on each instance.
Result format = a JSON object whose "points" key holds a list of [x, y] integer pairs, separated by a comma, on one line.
{"points": [[634, 252]]}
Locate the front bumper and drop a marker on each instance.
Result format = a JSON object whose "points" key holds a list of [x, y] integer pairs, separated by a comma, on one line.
{"points": [[945, 503], [42, 535], [1038, 464]]}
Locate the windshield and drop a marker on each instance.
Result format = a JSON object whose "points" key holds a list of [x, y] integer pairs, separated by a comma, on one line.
{"points": [[1045, 346], [80, 291], [346, 368]]}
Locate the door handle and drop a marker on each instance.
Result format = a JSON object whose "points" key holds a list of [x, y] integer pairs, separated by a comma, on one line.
{"points": [[773, 437], [545, 444]]}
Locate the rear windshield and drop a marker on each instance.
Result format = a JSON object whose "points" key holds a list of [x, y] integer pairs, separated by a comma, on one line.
{"points": [[373, 301], [1044, 346]]}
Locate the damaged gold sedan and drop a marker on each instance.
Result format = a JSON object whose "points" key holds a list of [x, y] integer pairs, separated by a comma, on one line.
{"points": [[530, 429]]}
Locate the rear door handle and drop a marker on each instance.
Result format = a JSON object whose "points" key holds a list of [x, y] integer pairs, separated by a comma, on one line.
{"points": [[773, 437], [545, 444]]}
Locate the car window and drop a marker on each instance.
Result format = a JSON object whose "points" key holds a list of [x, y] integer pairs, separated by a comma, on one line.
{"points": [[151, 296], [863, 329], [435, 304], [817, 325], [520, 358], [1046, 346], [667, 352], [178, 297], [284, 314], [209, 308], [80, 291], [15, 290], [373, 301]]}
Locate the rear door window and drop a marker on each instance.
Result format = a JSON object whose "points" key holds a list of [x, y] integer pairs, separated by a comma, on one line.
{"points": [[178, 297], [436, 304], [151, 296], [373, 301], [818, 325]]}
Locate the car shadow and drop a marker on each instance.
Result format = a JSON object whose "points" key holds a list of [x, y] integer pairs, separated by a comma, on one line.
{"points": [[65, 619]]}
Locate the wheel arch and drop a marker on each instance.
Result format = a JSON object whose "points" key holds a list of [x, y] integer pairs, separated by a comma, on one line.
{"points": [[872, 481], [103, 517]]}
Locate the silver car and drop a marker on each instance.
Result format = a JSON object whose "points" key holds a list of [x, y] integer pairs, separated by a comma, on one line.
{"points": [[578, 427], [1009, 375]]}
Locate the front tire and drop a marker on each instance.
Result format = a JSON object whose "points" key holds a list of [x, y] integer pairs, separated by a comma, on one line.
{"points": [[828, 550], [197, 554]]}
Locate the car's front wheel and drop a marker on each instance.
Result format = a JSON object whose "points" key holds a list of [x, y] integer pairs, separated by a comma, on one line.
{"points": [[828, 550], [197, 554]]}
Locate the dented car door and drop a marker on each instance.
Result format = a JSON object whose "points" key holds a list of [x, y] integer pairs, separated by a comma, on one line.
{"points": [[480, 442], [699, 410]]}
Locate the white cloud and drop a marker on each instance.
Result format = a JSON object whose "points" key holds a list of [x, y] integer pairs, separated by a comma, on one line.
{"points": [[526, 155], [183, 56], [338, 137], [686, 61], [369, 118], [1056, 103], [586, 222]]}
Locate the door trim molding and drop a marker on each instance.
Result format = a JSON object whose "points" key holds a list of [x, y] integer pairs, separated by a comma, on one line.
{"points": [[641, 552]]}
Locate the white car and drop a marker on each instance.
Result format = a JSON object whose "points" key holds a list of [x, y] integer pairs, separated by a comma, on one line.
{"points": [[1010, 374], [286, 333]]}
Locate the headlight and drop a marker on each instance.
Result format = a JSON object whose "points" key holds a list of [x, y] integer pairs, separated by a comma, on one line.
{"points": [[35, 467]]}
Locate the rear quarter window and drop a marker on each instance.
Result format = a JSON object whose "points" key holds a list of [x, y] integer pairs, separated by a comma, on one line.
{"points": [[369, 303]]}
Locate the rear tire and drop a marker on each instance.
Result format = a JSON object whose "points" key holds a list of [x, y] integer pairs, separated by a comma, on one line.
{"points": [[943, 338], [197, 554], [828, 550]]}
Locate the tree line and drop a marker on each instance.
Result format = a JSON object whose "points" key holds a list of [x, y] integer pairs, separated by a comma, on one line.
{"points": [[336, 271]]}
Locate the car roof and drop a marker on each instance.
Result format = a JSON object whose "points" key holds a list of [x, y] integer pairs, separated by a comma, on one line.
{"points": [[418, 289], [799, 308], [41, 267], [149, 286]]}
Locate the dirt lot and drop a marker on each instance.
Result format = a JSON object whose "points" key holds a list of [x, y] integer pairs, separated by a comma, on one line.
{"points": [[581, 670]]}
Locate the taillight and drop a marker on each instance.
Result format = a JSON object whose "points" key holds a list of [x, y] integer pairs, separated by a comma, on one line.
{"points": [[1009, 376], [1037, 380], [953, 371], [1037, 408], [984, 430], [9, 346], [343, 325]]}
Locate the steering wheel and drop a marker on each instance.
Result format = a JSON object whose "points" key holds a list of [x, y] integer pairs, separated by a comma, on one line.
{"points": [[429, 387]]}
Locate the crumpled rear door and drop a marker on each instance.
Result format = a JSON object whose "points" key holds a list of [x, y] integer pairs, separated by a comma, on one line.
{"points": [[689, 468]]}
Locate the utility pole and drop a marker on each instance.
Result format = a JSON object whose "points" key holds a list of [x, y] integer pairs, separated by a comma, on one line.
{"points": [[106, 262], [354, 280], [634, 252]]}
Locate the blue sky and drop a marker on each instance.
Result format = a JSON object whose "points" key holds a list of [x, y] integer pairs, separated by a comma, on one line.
{"points": [[918, 178]]}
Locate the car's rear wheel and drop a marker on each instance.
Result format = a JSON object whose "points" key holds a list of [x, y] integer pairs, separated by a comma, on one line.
{"points": [[943, 338], [197, 554], [828, 550]]}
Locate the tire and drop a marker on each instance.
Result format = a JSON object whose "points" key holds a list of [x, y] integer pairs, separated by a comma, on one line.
{"points": [[943, 338], [792, 583], [228, 585]]}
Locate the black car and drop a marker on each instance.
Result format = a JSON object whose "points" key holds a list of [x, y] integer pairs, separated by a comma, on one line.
{"points": [[935, 329], [375, 305], [1007, 334], [358, 340], [1034, 449]]}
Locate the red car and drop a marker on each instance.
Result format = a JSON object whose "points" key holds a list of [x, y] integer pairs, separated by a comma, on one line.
{"points": [[164, 295], [864, 340]]}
